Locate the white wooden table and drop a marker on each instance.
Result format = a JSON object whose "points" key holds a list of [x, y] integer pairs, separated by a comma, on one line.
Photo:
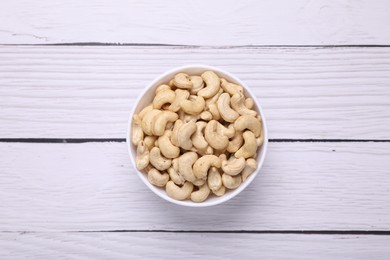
{"points": [[70, 72]]}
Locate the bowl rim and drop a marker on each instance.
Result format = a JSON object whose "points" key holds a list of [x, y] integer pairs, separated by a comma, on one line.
{"points": [[225, 197]]}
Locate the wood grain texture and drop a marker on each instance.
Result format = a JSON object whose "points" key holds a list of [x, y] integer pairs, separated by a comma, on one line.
{"points": [[79, 92], [190, 246], [92, 186], [213, 22]]}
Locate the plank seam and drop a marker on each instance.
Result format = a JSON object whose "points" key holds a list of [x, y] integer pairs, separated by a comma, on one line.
{"points": [[202, 46], [297, 232]]}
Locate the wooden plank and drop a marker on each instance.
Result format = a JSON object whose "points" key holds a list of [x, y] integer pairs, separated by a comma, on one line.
{"points": [[92, 186], [188, 246], [78, 92], [219, 22]]}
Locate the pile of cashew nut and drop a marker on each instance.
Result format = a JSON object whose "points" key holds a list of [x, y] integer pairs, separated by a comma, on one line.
{"points": [[198, 136]]}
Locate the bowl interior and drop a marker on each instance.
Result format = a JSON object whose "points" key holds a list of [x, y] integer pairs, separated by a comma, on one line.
{"points": [[147, 97]]}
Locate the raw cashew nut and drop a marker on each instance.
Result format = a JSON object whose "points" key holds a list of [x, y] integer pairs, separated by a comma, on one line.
{"points": [[175, 131], [201, 194], [231, 182], [249, 103], [213, 99], [157, 178], [161, 121], [226, 112], [260, 140], [215, 139], [227, 131], [166, 146], [220, 192], [179, 193], [181, 95], [250, 167], [163, 97], [158, 161], [193, 107], [206, 116], [250, 146], [214, 179], [142, 157], [184, 135], [149, 120], [212, 84], [197, 138], [182, 80], [175, 176], [197, 84], [202, 165], [214, 111], [185, 163], [145, 110], [136, 130], [248, 122], [235, 143], [162, 88], [238, 104], [231, 88], [150, 141], [233, 166]]}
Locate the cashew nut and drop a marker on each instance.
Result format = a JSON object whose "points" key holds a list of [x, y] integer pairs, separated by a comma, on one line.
{"points": [[231, 182], [145, 110], [142, 157], [157, 178], [193, 107], [250, 167], [136, 130], [206, 116], [158, 161], [201, 194], [181, 95], [214, 179], [231, 88], [184, 135], [166, 146], [249, 103], [175, 176], [197, 138], [163, 97], [226, 112], [235, 143], [179, 193], [150, 141], [185, 163], [214, 111], [182, 80], [233, 166], [214, 138], [249, 148], [162, 88], [149, 120], [175, 131], [197, 84], [212, 84], [202, 165], [260, 140], [161, 121], [227, 131], [220, 192], [213, 99], [238, 104], [248, 122]]}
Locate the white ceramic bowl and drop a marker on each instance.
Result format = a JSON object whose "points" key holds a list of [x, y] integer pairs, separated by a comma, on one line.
{"points": [[146, 98]]}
